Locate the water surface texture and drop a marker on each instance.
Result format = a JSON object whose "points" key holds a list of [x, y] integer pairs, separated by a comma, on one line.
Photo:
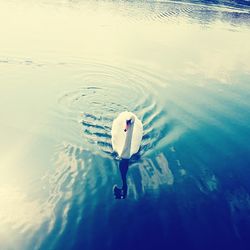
{"points": [[68, 68]]}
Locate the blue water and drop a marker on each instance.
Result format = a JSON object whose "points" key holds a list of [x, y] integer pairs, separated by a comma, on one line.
{"points": [[68, 68]]}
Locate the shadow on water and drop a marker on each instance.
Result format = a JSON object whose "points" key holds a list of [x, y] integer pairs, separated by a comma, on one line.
{"points": [[121, 193]]}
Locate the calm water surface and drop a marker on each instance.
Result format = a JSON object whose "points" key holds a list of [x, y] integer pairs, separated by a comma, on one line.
{"points": [[67, 68]]}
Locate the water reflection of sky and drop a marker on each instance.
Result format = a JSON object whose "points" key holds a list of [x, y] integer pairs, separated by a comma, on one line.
{"points": [[182, 62]]}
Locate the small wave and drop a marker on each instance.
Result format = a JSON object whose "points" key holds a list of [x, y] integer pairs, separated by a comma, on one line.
{"points": [[204, 14], [70, 185], [98, 104], [20, 61]]}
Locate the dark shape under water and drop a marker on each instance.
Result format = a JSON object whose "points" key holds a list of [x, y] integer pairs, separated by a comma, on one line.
{"points": [[121, 193]]}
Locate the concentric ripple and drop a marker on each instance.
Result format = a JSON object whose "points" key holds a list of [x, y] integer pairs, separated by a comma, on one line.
{"points": [[106, 92]]}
